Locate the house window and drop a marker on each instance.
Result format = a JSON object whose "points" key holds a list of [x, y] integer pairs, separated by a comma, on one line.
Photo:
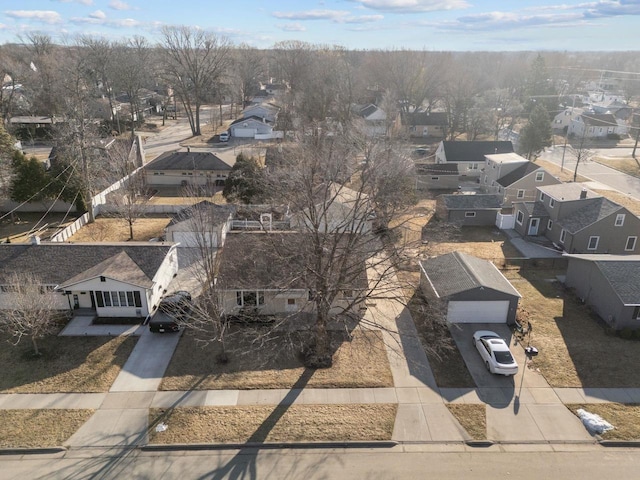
{"points": [[631, 244], [102, 279], [593, 243], [435, 179], [291, 301], [520, 193], [541, 197], [469, 214], [539, 176], [118, 299], [563, 235], [619, 220], [520, 217], [549, 224], [473, 166], [552, 202], [636, 313], [249, 298]]}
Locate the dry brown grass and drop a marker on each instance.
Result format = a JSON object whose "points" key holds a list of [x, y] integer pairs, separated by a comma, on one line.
{"points": [[362, 362], [67, 364], [625, 419], [117, 230], [575, 350], [268, 423], [39, 428], [565, 175], [630, 166], [472, 417], [626, 201], [27, 223]]}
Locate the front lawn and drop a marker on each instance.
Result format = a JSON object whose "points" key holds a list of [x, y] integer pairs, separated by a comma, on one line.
{"points": [[39, 428], [117, 230], [575, 348], [361, 362], [625, 419], [67, 364], [269, 423], [472, 417]]}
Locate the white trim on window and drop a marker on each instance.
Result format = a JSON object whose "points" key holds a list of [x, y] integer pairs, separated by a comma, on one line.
{"points": [[563, 235], [549, 224], [539, 176], [619, 220], [520, 193], [630, 246], [552, 203], [469, 214], [593, 242], [520, 217]]}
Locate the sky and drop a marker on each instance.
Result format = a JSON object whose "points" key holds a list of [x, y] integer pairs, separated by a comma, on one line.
{"points": [[449, 25]]}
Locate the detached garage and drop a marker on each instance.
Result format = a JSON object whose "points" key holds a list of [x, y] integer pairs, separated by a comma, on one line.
{"points": [[473, 290]]}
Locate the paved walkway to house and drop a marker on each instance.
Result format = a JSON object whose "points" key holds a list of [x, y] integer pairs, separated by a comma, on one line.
{"points": [[530, 249], [82, 326]]}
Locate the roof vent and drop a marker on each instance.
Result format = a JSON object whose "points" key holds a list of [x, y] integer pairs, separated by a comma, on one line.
{"points": [[583, 193]]}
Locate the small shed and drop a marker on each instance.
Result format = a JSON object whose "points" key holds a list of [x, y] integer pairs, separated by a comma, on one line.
{"points": [[473, 289], [469, 210]]}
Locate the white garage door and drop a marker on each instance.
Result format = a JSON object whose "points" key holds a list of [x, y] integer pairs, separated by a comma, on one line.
{"points": [[478, 312], [244, 132], [190, 239]]}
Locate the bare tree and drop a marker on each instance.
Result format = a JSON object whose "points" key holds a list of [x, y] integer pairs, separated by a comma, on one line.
{"points": [[31, 314], [581, 152], [194, 61], [248, 68]]}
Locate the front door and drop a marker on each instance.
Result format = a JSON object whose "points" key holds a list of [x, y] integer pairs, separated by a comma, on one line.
{"points": [[533, 226], [76, 301]]}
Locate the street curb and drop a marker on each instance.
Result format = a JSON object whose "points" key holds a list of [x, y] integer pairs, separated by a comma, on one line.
{"points": [[620, 443], [31, 451], [264, 446], [479, 443]]}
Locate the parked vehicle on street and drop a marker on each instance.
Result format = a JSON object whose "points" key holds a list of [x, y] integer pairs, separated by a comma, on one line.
{"points": [[224, 137], [495, 353]]}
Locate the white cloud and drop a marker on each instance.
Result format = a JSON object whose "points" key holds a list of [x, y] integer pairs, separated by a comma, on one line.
{"points": [[119, 5], [413, 6], [292, 27], [45, 16], [99, 14], [83, 2], [98, 20], [312, 15], [509, 20], [363, 19]]}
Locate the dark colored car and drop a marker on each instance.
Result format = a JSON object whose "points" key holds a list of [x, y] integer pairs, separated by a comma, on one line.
{"points": [[172, 310]]}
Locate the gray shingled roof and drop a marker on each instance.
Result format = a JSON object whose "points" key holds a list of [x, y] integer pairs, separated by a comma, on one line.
{"points": [[518, 174], [436, 169], [593, 212], [424, 118], [276, 261], [474, 151], [618, 274], [59, 263], [567, 191], [472, 202], [188, 161], [534, 209], [458, 272], [215, 213], [600, 119], [368, 110], [252, 117]]}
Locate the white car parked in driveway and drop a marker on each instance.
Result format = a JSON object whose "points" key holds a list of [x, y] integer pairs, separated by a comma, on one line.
{"points": [[495, 353]]}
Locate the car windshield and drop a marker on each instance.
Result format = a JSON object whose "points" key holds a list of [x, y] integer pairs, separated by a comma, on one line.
{"points": [[504, 357]]}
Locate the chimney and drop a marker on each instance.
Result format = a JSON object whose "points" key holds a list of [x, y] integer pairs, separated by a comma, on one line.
{"points": [[34, 240], [188, 149], [583, 193]]}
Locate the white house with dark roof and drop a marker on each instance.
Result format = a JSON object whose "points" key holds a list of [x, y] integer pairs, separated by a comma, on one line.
{"points": [[470, 156], [202, 224], [594, 125], [113, 280], [186, 168], [609, 285], [473, 289], [249, 127]]}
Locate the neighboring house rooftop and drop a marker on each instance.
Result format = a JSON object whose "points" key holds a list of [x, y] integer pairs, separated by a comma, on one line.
{"points": [[271, 261], [215, 213], [368, 111], [188, 161], [599, 120], [591, 213], [534, 209], [474, 151], [436, 169], [252, 117], [510, 157], [472, 202], [424, 118], [518, 173], [617, 270], [567, 191], [458, 272], [67, 263]]}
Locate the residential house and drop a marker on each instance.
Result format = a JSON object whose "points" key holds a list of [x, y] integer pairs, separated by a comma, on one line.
{"points": [[469, 289], [563, 119], [468, 210], [437, 176], [606, 283], [251, 127], [578, 220], [469, 156], [375, 119], [113, 280], [595, 125], [514, 177], [186, 168], [204, 224], [266, 274], [425, 124], [264, 111]]}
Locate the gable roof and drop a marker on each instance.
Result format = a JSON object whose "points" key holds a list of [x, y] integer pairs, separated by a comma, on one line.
{"points": [[458, 272], [617, 270], [215, 213], [519, 173], [62, 263], [599, 120], [533, 209], [593, 212], [474, 151], [472, 202], [424, 118], [437, 168], [276, 261], [188, 161], [368, 110], [253, 118]]}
